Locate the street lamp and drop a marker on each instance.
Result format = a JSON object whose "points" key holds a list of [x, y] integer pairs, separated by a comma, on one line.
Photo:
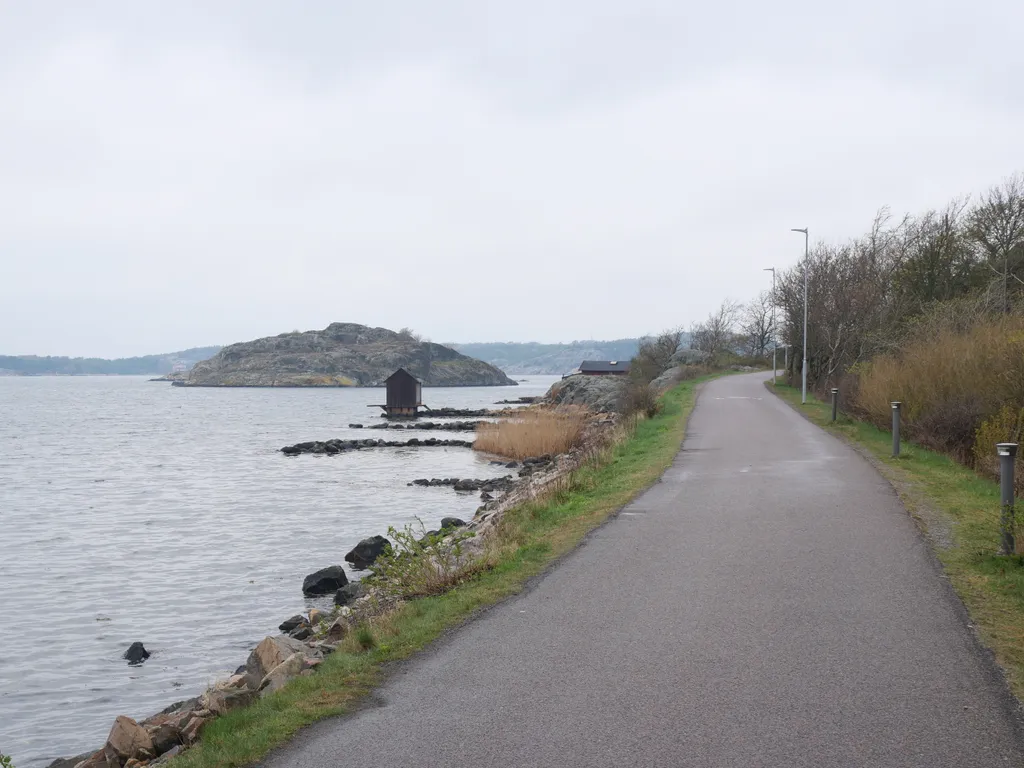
{"points": [[806, 251], [775, 338]]}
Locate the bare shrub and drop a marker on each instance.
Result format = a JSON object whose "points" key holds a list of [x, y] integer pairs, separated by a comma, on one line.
{"points": [[654, 356], [534, 432], [949, 427], [639, 397]]}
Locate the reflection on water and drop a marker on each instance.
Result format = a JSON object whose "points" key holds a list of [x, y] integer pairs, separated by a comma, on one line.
{"points": [[132, 510]]}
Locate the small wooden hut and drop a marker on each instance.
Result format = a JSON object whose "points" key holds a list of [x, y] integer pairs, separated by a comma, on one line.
{"points": [[404, 394]]}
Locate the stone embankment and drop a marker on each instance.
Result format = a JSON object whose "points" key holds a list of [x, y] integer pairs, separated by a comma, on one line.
{"points": [[307, 639]]}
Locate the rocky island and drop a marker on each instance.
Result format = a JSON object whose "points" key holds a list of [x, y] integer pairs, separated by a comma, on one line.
{"points": [[341, 355]]}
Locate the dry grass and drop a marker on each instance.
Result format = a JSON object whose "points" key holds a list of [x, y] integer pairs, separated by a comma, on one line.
{"points": [[950, 381], [534, 432]]}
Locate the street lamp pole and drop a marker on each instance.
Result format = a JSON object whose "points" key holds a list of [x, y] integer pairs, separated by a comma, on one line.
{"points": [[775, 338], [806, 251]]}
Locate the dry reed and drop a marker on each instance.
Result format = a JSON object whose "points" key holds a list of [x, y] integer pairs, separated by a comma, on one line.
{"points": [[950, 383], [534, 432]]}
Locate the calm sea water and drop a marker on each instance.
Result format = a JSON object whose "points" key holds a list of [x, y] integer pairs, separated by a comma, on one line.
{"points": [[133, 510]]}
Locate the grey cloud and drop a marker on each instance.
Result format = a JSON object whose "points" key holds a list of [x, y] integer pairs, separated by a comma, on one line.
{"points": [[196, 173]]}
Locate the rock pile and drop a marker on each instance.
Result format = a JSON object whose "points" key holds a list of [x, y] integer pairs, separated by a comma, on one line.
{"points": [[331, 447], [492, 485], [447, 426], [465, 413]]}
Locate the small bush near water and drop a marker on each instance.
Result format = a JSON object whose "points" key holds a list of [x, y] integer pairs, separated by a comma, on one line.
{"points": [[535, 432], [421, 563]]}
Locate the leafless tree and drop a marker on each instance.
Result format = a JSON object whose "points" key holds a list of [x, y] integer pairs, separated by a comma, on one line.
{"points": [[997, 227], [654, 356], [717, 333], [756, 325]]}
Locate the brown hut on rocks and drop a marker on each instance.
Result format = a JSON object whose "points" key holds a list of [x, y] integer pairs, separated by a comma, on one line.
{"points": [[405, 394]]}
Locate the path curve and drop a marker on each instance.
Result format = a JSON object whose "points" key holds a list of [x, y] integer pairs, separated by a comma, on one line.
{"points": [[768, 603]]}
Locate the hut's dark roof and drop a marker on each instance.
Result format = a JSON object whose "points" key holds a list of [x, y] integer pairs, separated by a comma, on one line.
{"points": [[604, 366]]}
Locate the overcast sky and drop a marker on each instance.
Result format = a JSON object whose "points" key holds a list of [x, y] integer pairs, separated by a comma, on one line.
{"points": [[176, 174]]}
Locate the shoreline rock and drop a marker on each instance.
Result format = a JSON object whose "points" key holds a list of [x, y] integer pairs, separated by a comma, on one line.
{"points": [[366, 552], [325, 581], [491, 485]]}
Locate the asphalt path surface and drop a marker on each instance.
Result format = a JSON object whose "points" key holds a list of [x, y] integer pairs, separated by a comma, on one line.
{"points": [[768, 603]]}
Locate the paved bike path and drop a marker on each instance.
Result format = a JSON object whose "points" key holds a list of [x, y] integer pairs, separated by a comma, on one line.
{"points": [[768, 603]]}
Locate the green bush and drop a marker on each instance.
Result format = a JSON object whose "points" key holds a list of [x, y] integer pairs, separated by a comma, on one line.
{"points": [[422, 564]]}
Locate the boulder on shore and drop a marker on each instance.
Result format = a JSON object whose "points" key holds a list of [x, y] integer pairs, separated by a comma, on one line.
{"points": [[128, 740], [267, 655], [366, 552], [452, 522], [294, 622], [349, 593], [279, 676], [324, 581]]}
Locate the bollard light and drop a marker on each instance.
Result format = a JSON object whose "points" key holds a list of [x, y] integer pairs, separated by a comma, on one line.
{"points": [[1007, 452], [896, 429], [835, 403]]}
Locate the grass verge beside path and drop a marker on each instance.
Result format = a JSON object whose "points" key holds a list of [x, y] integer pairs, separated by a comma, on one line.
{"points": [[959, 511], [535, 535]]}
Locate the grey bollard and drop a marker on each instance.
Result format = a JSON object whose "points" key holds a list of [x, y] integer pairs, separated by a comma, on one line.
{"points": [[896, 429], [1007, 453], [835, 403]]}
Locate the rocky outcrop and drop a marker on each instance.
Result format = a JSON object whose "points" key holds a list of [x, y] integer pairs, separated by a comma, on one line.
{"points": [[601, 394], [366, 552], [341, 355], [325, 581]]}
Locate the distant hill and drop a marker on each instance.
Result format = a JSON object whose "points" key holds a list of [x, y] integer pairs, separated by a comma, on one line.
{"points": [[510, 356], [535, 358], [148, 365], [340, 355]]}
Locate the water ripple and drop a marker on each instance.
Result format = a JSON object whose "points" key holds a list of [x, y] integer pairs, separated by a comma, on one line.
{"points": [[132, 510]]}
